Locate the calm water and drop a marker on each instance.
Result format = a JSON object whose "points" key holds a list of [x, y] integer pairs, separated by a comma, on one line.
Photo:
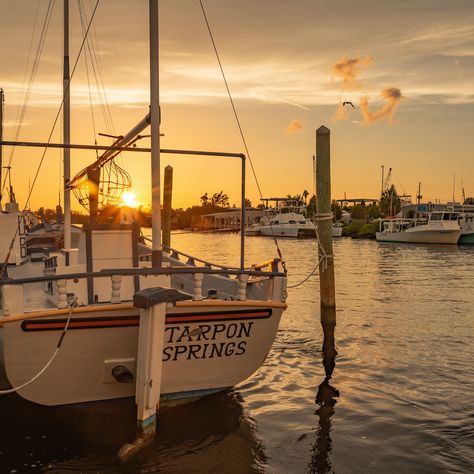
{"points": [[400, 399]]}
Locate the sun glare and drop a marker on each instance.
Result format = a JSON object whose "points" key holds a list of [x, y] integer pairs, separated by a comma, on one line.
{"points": [[129, 200]]}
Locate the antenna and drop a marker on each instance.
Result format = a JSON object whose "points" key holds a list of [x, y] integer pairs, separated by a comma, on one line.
{"points": [[454, 185]]}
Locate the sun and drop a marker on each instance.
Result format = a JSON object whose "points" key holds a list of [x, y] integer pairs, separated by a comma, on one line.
{"points": [[129, 199]]}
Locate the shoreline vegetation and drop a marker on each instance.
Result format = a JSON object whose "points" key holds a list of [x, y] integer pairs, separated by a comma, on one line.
{"points": [[192, 217], [360, 221]]}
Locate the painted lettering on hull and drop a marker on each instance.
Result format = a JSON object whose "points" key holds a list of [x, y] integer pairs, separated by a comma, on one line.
{"points": [[222, 340], [188, 336]]}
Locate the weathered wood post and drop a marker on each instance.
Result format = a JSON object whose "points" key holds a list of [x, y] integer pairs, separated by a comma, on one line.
{"points": [[167, 195], [327, 288], [324, 221]]}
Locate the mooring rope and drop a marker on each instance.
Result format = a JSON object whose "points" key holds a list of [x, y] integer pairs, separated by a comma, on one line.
{"points": [[325, 256], [319, 217], [72, 305]]}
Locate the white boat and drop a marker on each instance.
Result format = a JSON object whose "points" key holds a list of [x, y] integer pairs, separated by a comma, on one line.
{"points": [[337, 229], [466, 223], [441, 228], [288, 224], [84, 324]]}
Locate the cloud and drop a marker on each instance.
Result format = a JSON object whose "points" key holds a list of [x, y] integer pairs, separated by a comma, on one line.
{"points": [[393, 95], [295, 126], [349, 68], [340, 114]]}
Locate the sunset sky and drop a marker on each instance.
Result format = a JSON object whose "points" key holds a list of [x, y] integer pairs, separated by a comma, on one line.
{"points": [[407, 67]]}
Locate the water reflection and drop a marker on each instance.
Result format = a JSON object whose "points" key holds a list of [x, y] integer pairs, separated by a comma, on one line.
{"points": [[325, 397], [86, 438]]}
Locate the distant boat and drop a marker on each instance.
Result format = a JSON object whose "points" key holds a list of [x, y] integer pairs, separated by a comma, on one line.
{"points": [[466, 222], [441, 228], [288, 224], [337, 229]]}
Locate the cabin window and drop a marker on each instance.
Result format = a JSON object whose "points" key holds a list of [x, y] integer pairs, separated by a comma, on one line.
{"points": [[292, 222], [436, 217], [302, 222]]}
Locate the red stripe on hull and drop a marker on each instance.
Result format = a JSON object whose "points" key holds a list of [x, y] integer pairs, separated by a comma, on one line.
{"points": [[133, 321]]}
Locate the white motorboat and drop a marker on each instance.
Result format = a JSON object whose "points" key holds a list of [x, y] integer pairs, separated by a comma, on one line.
{"points": [[337, 229], [115, 317], [288, 224], [466, 223], [441, 228]]}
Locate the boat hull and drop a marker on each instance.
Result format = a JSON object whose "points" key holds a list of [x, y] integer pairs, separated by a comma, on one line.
{"points": [[467, 238], [208, 346], [288, 231], [420, 236]]}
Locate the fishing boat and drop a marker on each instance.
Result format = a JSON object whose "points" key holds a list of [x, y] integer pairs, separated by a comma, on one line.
{"points": [[441, 228], [466, 223], [287, 221], [118, 317]]}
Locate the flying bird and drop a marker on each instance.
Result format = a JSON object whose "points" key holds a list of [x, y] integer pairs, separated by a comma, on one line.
{"points": [[350, 103]]}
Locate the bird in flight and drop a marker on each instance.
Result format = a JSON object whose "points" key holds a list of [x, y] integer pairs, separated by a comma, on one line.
{"points": [[350, 103]]}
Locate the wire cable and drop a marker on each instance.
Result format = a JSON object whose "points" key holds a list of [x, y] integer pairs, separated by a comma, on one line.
{"points": [[62, 103], [240, 127], [26, 95]]}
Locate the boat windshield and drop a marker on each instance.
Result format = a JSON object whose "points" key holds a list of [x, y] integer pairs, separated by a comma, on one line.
{"points": [[438, 216]]}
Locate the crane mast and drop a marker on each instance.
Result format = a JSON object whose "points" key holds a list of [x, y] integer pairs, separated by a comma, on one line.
{"points": [[90, 176]]}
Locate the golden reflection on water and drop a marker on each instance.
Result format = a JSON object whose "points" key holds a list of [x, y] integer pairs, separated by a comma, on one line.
{"points": [[326, 397]]}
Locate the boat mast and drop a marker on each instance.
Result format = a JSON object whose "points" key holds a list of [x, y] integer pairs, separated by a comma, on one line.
{"points": [[66, 133], [156, 256], [1, 146]]}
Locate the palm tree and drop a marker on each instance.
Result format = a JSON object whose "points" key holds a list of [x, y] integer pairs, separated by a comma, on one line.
{"points": [[305, 196], [390, 202], [204, 199], [220, 199]]}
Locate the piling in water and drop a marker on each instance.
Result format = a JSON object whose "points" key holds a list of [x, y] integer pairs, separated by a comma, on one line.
{"points": [[324, 220], [167, 194]]}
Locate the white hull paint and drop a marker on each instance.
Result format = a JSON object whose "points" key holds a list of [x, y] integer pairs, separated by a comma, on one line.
{"points": [[420, 236], [209, 345], [288, 231], [441, 228]]}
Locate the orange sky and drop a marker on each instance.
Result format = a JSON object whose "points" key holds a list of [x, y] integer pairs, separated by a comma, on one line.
{"points": [[280, 58]]}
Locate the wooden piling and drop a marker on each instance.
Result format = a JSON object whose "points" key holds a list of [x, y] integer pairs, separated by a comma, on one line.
{"points": [[167, 195], [324, 221]]}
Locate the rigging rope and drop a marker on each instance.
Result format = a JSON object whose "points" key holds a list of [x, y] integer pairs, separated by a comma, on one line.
{"points": [[5, 263], [26, 94], [283, 264], [82, 14], [72, 305], [62, 103]]}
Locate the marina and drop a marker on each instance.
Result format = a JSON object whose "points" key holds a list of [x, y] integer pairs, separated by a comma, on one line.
{"points": [[400, 388], [153, 320]]}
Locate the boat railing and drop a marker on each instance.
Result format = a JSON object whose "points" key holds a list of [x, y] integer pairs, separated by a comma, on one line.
{"points": [[191, 260], [12, 288], [396, 221]]}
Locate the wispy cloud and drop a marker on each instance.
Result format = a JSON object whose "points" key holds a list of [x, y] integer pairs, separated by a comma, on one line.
{"points": [[295, 126], [393, 96], [348, 69]]}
